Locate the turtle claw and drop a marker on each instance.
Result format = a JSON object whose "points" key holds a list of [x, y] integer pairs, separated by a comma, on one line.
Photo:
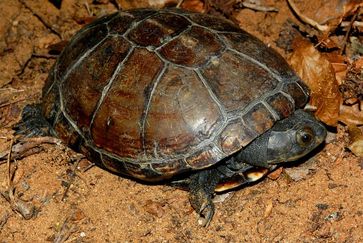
{"points": [[202, 185], [206, 214]]}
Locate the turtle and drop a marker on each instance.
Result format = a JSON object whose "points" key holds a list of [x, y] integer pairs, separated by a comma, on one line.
{"points": [[171, 95]]}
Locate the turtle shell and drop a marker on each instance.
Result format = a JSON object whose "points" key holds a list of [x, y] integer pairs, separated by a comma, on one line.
{"points": [[154, 93]]}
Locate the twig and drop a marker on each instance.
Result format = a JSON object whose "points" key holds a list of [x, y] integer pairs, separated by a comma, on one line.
{"points": [[348, 32], [36, 55], [179, 3], [117, 4], [27, 146], [258, 7], [65, 231], [12, 90], [355, 23], [25, 64], [305, 19], [88, 8], [25, 209], [46, 56], [8, 163], [4, 219], [12, 102], [72, 176], [48, 26]]}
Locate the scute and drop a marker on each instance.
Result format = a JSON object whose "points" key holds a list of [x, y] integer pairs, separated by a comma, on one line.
{"points": [[79, 45], [235, 136], [192, 48], [181, 114], [155, 93], [259, 119], [233, 87], [116, 127], [85, 82], [154, 31], [252, 47]]}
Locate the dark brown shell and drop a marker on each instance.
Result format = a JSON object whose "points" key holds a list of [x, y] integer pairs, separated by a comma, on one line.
{"points": [[152, 93]]}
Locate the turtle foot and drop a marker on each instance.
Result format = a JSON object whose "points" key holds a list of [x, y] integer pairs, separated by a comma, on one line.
{"points": [[32, 124], [202, 185], [206, 214]]}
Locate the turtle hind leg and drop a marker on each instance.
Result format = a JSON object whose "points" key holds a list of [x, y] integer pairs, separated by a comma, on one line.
{"points": [[33, 123], [201, 187]]}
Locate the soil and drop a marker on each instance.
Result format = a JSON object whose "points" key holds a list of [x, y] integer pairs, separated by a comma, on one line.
{"points": [[317, 201]]}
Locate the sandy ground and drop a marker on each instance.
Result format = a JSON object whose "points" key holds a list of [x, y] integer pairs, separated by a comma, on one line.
{"points": [[318, 201]]}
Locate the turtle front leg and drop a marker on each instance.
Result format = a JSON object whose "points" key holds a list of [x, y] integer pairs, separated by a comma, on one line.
{"points": [[201, 187], [33, 124]]}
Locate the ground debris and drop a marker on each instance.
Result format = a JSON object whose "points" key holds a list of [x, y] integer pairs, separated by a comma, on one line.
{"points": [[26, 209], [155, 208], [28, 146], [257, 7], [4, 218]]}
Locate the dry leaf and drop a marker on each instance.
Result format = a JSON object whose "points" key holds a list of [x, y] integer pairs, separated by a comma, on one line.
{"points": [[351, 115], [275, 174], [318, 73], [154, 208], [325, 17], [356, 138], [194, 5], [351, 112]]}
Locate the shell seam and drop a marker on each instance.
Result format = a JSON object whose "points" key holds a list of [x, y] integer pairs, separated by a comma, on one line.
{"points": [[108, 86], [147, 107]]}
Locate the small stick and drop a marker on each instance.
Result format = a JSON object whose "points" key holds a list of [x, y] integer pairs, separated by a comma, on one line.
{"points": [[28, 145], [12, 102], [8, 164], [4, 219], [88, 8], [117, 4], [348, 32], [260, 8], [355, 23], [179, 3]]}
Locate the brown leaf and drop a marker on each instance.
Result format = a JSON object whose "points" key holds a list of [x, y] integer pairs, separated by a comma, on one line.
{"points": [[351, 115], [356, 138], [154, 208], [275, 174], [318, 73], [194, 5]]}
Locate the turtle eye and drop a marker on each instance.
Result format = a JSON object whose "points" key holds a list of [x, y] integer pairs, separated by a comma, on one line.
{"points": [[304, 136]]}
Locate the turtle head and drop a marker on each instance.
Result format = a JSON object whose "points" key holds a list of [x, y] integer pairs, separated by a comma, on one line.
{"points": [[288, 140], [294, 137]]}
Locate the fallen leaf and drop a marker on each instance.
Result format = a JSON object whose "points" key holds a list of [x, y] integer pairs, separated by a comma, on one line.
{"points": [[356, 138], [275, 174], [318, 73], [351, 115], [154, 208], [351, 112], [194, 5]]}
